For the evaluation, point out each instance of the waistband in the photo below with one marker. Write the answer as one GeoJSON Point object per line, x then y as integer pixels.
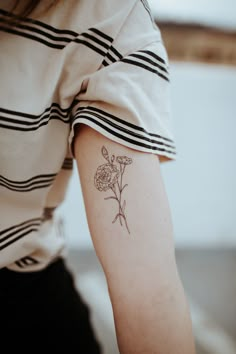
{"type": "Point", "coordinates": [13, 281]}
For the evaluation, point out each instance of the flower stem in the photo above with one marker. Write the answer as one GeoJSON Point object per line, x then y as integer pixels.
{"type": "Point", "coordinates": [121, 212]}
{"type": "Point", "coordinates": [126, 224]}
{"type": "Point", "coordinates": [118, 200]}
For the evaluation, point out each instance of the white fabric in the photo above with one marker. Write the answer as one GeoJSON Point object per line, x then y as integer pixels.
{"type": "Point", "coordinates": [101, 63]}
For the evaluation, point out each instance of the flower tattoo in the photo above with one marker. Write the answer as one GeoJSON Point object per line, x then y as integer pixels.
{"type": "Point", "coordinates": [106, 176]}
{"type": "Point", "coordinates": [109, 176]}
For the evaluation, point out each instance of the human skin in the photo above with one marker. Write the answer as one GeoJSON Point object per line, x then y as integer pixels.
{"type": "Point", "coordinates": [136, 250]}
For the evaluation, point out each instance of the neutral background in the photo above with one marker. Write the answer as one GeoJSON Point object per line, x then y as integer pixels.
{"type": "Point", "coordinates": [214, 12]}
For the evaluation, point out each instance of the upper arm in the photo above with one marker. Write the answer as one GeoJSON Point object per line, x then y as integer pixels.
{"type": "Point", "coordinates": [131, 228]}
{"type": "Point", "coordinates": [124, 107]}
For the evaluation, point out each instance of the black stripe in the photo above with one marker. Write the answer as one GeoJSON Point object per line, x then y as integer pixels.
{"type": "Point", "coordinates": [53, 29]}
{"type": "Point", "coordinates": [91, 46]}
{"type": "Point", "coordinates": [39, 178]}
{"type": "Point", "coordinates": [134, 142]}
{"type": "Point", "coordinates": [32, 122]}
{"type": "Point", "coordinates": [63, 112]}
{"type": "Point", "coordinates": [41, 32]}
{"type": "Point", "coordinates": [145, 64]}
{"type": "Point", "coordinates": [154, 55]}
{"type": "Point", "coordinates": [26, 261]}
{"type": "Point", "coordinates": [127, 131]}
{"type": "Point", "coordinates": [17, 238]}
{"type": "Point", "coordinates": [28, 128]}
{"type": "Point", "coordinates": [61, 36]}
{"type": "Point", "coordinates": [136, 63]}
{"type": "Point", "coordinates": [36, 182]}
{"type": "Point", "coordinates": [22, 228]}
{"type": "Point", "coordinates": [101, 34]}
{"type": "Point", "coordinates": [16, 232]}
{"type": "Point", "coordinates": [18, 263]}
{"type": "Point", "coordinates": [40, 24]}
{"type": "Point", "coordinates": [105, 63]}
{"type": "Point", "coordinates": [144, 58]}
{"type": "Point", "coordinates": [117, 119]}
{"type": "Point", "coordinates": [95, 40]}
{"type": "Point", "coordinates": [19, 225]}
{"type": "Point", "coordinates": [28, 189]}
{"type": "Point", "coordinates": [115, 51]}
{"type": "Point", "coordinates": [29, 36]}
{"type": "Point", "coordinates": [29, 260]}
{"type": "Point", "coordinates": [111, 57]}
{"type": "Point", "coordinates": [62, 32]}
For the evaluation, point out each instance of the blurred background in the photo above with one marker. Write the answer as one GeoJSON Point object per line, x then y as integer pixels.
{"type": "Point", "coordinates": [200, 37]}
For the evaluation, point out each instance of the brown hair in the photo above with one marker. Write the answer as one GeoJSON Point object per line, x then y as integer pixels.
{"type": "Point", "coordinates": [29, 6]}
{"type": "Point", "coordinates": [27, 9]}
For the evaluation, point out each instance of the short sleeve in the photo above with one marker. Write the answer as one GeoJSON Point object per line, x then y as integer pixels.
{"type": "Point", "coordinates": [128, 98]}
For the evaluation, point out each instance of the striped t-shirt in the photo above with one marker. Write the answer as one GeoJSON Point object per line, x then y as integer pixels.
{"type": "Point", "coordinates": [97, 62]}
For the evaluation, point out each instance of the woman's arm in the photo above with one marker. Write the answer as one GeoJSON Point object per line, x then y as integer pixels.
{"type": "Point", "coordinates": [130, 225]}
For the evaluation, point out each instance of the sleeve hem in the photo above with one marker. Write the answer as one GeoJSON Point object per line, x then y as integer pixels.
{"type": "Point", "coordinates": [161, 146]}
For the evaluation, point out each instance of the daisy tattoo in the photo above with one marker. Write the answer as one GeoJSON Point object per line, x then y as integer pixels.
{"type": "Point", "coordinates": [109, 176]}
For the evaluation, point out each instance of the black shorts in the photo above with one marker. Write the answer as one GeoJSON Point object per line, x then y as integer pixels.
{"type": "Point", "coordinates": [43, 311]}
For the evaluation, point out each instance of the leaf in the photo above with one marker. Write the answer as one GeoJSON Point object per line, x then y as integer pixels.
{"type": "Point", "coordinates": [105, 153]}
{"type": "Point", "coordinates": [110, 198]}
{"type": "Point", "coordinates": [123, 187]}
{"type": "Point", "coordinates": [115, 218]}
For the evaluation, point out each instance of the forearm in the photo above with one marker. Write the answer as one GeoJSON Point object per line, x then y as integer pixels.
{"type": "Point", "coordinates": [153, 319]}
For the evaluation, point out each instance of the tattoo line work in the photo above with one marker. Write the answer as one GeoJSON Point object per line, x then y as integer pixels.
{"type": "Point", "coordinates": [110, 177]}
